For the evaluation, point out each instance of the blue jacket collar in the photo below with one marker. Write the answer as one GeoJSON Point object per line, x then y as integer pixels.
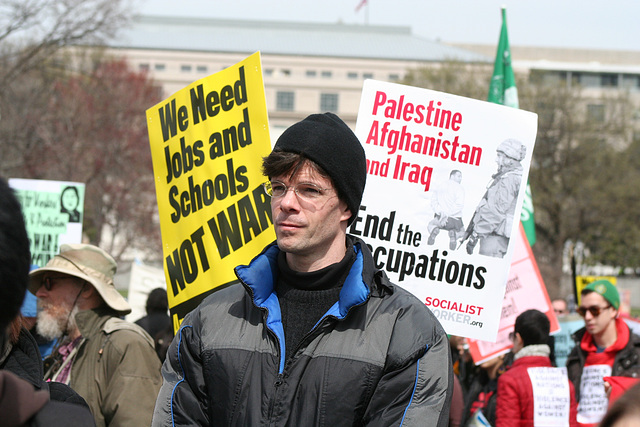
{"type": "Point", "coordinates": [261, 274]}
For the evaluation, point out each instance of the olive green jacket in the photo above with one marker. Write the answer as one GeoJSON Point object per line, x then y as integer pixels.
{"type": "Point", "coordinates": [116, 370]}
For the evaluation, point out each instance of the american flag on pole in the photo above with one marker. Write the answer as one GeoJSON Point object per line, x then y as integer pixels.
{"type": "Point", "coordinates": [362, 3]}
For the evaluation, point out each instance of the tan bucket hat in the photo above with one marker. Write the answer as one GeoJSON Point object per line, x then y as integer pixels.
{"type": "Point", "coordinates": [89, 263]}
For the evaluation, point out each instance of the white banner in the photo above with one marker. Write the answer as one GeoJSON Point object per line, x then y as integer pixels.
{"type": "Point", "coordinates": [551, 396]}
{"type": "Point", "coordinates": [433, 169]}
{"type": "Point", "coordinates": [53, 215]}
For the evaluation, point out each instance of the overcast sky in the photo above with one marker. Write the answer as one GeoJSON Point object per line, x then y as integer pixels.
{"type": "Point", "coordinates": [600, 24]}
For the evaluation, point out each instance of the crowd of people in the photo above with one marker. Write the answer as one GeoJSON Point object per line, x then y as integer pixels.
{"type": "Point", "coordinates": [525, 387]}
{"type": "Point", "coordinates": [312, 333]}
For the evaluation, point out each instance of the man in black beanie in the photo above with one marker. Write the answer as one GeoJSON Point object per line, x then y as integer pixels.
{"type": "Point", "coordinates": [314, 334]}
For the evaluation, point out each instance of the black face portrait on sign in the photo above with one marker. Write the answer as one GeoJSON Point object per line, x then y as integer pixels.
{"type": "Point", "coordinates": [69, 202]}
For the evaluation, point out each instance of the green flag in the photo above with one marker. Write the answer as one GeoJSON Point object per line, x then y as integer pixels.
{"type": "Point", "coordinates": [502, 90]}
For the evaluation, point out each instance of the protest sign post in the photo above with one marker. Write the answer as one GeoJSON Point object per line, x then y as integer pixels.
{"type": "Point", "coordinates": [207, 143]}
{"type": "Point", "coordinates": [416, 141]}
{"type": "Point", "coordinates": [53, 215]}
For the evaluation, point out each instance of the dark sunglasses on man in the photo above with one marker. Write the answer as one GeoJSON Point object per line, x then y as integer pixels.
{"type": "Point", "coordinates": [594, 310]}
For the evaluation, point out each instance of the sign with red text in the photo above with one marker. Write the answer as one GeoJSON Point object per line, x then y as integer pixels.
{"type": "Point", "coordinates": [525, 290]}
{"type": "Point", "coordinates": [207, 143]}
{"type": "Point", "coordinates": [445, 183]}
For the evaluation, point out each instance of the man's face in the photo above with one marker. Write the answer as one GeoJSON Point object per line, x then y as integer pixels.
{"type": "Point", "coordinates": [597, 324]}
{"type": "Point", "coordinates": [56, 298]}
{"type": "Point", "coordinates": [501, 159]}
{"type": "Point", "coordinates": [306, 228]}
{"type": "Point", "coordinates": [559, 307]}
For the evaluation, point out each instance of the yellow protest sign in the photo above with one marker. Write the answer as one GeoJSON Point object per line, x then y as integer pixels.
{"type": "Point", "coordinates": [207, 143]}
{"type": "Point", "coordinates": [583, 281]}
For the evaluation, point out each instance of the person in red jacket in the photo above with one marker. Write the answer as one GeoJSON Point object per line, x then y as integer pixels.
{"type": "Point", "coordinates": [532, 392]}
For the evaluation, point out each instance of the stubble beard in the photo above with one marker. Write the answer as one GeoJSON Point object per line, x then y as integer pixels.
{"type": "Point", "coordinates": [55, 321]}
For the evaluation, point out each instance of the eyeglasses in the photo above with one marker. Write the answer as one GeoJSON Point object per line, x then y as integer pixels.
{"type": "Point", "coordinates": [305, 191]}
{"type": "Point", "coordinates": [49, 281]}
{"type": "Point", "coordinates": [594, 310]}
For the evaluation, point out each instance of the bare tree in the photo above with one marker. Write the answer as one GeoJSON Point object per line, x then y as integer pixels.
{"type": "Point", "coordinates": [584, 174]}
{"type": "Point", "coordinates": [91, 128]}
{"type": "Point", "coordinates": [459, 78]}
{"type": "Point", "coordinates": [32, 31]}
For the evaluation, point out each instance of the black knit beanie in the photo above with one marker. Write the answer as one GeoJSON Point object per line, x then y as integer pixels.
{"type": "Point", "coordinates": [329, 142]}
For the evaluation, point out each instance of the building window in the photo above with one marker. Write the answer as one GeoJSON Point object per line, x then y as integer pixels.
{"type": "Point", "coordinates": [285, 72]}
{"type": "Point", "coordinates": [311, 73]}
{"type": "Point", "coordinates": [609, 80]}
{"type": "Point", "coordinates": [202, 69]}
{"type": "Point", "coordinates": [367, 75]}
{"type": "Point", "coordinates": [284, 101]}
{"type": "Point", "coordinates": [326, 74]}
{"type": "Point", "coordinates": [268, 72]}
{"type": "Point", "coordinates": [159, 67]}
{"type": "Point", "coordinates": [587, 79]}
{"type": "Point", "coordinates": [329, 102]}
{"type": "Point", "coordinates": [552, 78]}
{"type": "Point", "coordinates": [143, 67]}
{"type": "Point", "coordinates": [185, 68]}
{"type": "Point", "coordinates": [595, 113]}
{"type": "Point", "coordinates": [394, 77]}
{"type": "Point", "coordinates": [352, 75]}
{"type": "Point", "coordinates": [630, 81]}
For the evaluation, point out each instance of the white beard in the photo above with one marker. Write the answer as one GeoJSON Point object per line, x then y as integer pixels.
{"type": "Point", "coordinates": [52, 326]}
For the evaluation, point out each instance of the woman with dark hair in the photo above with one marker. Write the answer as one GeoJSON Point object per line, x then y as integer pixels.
{"type": "Point", "coordinates": [69, 202]}
{"type": "Point", "coordinates": [533, 392]}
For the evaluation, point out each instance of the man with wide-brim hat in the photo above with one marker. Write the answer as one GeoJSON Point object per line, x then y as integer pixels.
{"type": "Point", "coordinates": [108, 361]}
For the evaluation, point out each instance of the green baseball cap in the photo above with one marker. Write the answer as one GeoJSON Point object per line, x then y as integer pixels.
{"type": "Point", "coordinates": [606, 289]}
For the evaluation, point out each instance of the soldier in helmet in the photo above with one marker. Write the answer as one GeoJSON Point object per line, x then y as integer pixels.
{"type": "Point", "coordinates": [493, 219]}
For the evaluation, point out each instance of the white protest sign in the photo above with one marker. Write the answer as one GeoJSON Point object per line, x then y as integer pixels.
{"type": "Point", "coordinates": [551, 396]}
{"type": "Point", "coordinates": [593, 399]}
{"type": "Point", "coordinates": [421, 144]}
{"type": "Point", "coordinates": [53, 214]}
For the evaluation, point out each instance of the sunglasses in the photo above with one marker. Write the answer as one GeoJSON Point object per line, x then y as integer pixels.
{"type": "Point", "coordinates": [594, 310]}
{"type": "Point", "coordinates": [49, 281]}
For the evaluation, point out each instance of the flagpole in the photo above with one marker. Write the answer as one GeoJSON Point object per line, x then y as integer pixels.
{"type": "Point", "coordinates": [366, 13]}
{"type": "Point", "coordinates": [364, 3]}
{"type": "Point", "coordinates": [502, 90]}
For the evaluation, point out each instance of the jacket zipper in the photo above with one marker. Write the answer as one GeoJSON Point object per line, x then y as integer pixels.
{"type": "Point", "coordinates": [276, 385]}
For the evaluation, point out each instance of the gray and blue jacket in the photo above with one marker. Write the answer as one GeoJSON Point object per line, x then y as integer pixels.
{"type": "Point", "coordinates": [378, 357]}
